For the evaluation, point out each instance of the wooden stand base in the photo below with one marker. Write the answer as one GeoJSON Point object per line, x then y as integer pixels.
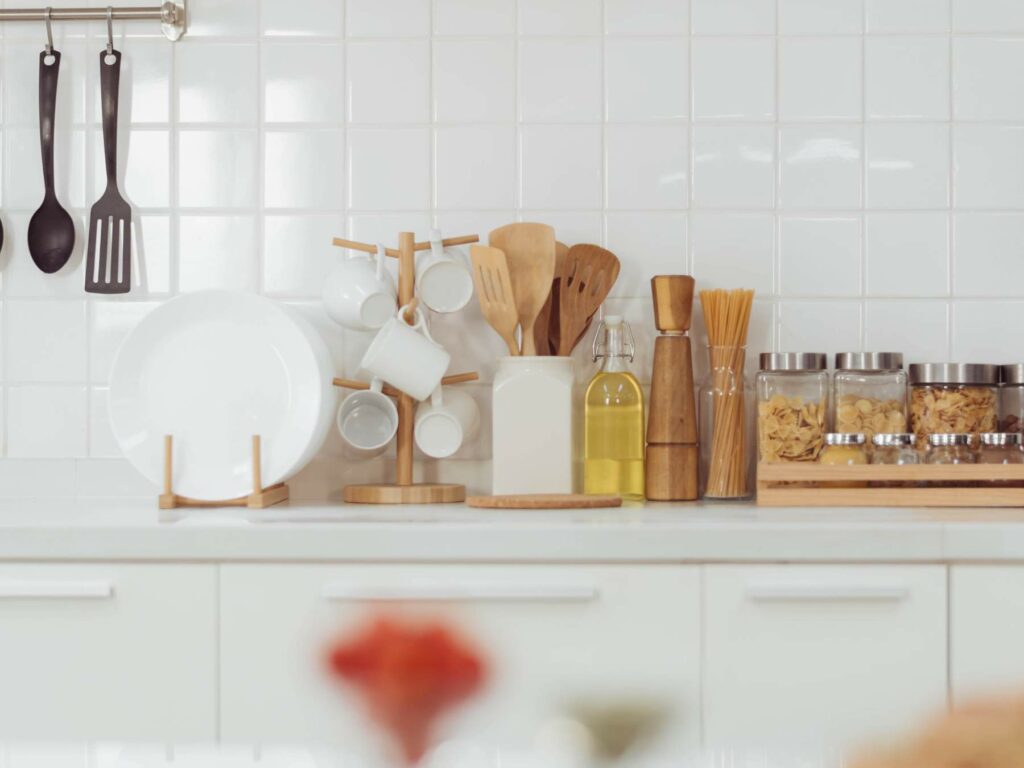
{"type": "Point", "coordinates": [672, 472]}
{"type": "Point", "coordinates": [417, 493]}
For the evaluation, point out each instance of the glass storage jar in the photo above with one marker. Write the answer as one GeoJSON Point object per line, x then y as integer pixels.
{"type": "Point", "coordinates": [844, 450]}
{"type": "Point", "coordinates": [894, 449]}
{"type": "Point", "coordinates": [869, 393]}
{"type": "Point", "coordinates": [1011, 398]}
{"type": "Point", "coordinates": [958, 398]}
{"type": "Point", "coordinates": [792, 403]}
{"type": "Point", "coordinates": [949, 448]}
{"type": "Point", "coordinates": [1000, 448]}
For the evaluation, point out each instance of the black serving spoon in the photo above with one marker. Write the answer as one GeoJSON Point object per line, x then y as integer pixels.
{"type": "Point", "coordinates": [51, 232]}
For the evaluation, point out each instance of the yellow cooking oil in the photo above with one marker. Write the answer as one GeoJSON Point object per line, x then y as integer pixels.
{"type": "Point", "coordinates": [613, 420]}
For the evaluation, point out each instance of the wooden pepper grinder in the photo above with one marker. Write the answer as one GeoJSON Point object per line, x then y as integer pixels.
{"type": "Point", "coordinates": [672, 452]}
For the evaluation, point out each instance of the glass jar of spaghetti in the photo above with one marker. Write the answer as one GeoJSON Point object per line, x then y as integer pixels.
{"type": "Point", "coordinates": [869, 393]}
{"type": "Point", "coordinates": [959, 398]}
{"type": "Point", "coordinates": [792, 404]}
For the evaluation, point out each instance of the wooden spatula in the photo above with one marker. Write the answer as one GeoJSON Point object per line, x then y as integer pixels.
{"type": "Point", "coordinates": [494, 292]}
{"type": "Point", "coordinates": [530, 255]}
{"type": "Point", "coordinates": [589, 274]}
{"type": "Point", "coordinates": [548, 316]}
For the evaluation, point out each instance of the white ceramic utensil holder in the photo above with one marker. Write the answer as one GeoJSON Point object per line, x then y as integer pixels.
{"type": "Point", "coordinates": [534, 425]}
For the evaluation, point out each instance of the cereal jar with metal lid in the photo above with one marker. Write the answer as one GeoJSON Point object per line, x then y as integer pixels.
{"type": "Point", "coordinates": [957, 398]}
{"type": "Point", "coordinates": [869, 393]}
{"type": "Point", "coordinates": [1011, 398]}
{"type": "Point", "coordinates": [792, 404]}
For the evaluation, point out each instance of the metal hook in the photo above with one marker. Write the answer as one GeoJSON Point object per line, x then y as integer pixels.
{"type": "Point", "coordinates": [49, 32]}
{"type": "Point", "coordinates": [110, 29]}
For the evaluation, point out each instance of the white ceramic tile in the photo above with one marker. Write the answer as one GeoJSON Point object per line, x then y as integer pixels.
{"type": "Point", "coordinates": [217, 168]}
{"type": "Point", "coordinates": [820, 79]}
{"type": "Point", "coordinates": [733, 78]}
{"type": "Point", "coordinates": [647, 244]}
{"type": "Point", "coordinates": [646, 79]}
{"type": "Point", "coordinates": [474, 80]}
{"type": "Point", "coordinates": [151, 255]}
{"type": "Point", "coordinates": [46, 421]}
{"type": "Point", "coordinates": [646, 17]}
{"type": "Point", "coordinates": [302, 82]}
{"type": "Point", "coordinates": [114, 478]}
{"type": "Point", "coordinates": [1002, 16]}
{"type": "Point", "coordinates": [102, 444]}
{"type": "Point", "coordinates": [987, 330]}
{"type": "Point", "coordinates": [302, 18]}
{"type": "Point", "coordinates": [475, 166]}
{"type": "Point", "coordinates": [733, 166]}
{"type": "Point", "coordinates": [304, 169]}
{"type": "Point", "coordinates": [146, 175]}
{"type": "Point", "coordinates": [217, 252]}
{"type": "Point", "coordinates": [216, 82]}
{"type": "Point", "coordinates": [389, 169]}
{"type": "Point", "coordinates": [988, 76]}
{"type": "Point", "coordinates": [46, 341]}
{"type": "Point", "coordinates": [23, 177]}
{"type": "Point", "coordinates": [733, 17]}
{"type": "Point", "coordinates": [474, 17]}
{"type": "Point", "coordinates": [988, 249]}
{"type": "Point", "coordinates": [920, 329]}
{"type": "Point", "coordinates": [561, 166]}
{"type": "Point", "coordinates": [988, 162]}
{"type": "Point", "coordinates": [570, 227]}
{"type": "Point", "coordinates": [109, 323]}
{"type": "Point", "coordinates": [223, 18]}
{"type": "Point", "coordinates": [733, 250]}
{"type": "Point", "coordinates": [647, 166]}
{"type": "Point", "coordinates": [560, 80]}
{"type": "Point", "coordinates": [805, 243]}
{"type": "Point", "coordinates": [400, 18]}
{"type": "Point", "coordinates": [478, 350]}
{"type": "Point", "coordinates": [902, 16]}
{"type": "Point", "coordinates": [146, 68]}
{"type": "Point", "coordinates": [298, 255]}
{"type": "Point", "coordinates": [907, 166]}
{"type": "Point", "coordinates": [388, 81]}
{"type": "Point", "coordinates": [907, 254]}
{"type": "Point", "coordinates": [384, 227]}
{"type": "Point", "coordinates": [821, 166]}
{"type": "Point", "coordinates": [906, 77]}
{"type": "Point", "coordinates": [820, 326]}
{"type": "Point", "coordinates": [821, 17]}
{"type": "Point", "coordinates": [331, 333]}
{"type": "Point", "coordinates": [565, 17]}
{"type": "Point", "coordinates": [21, 83]}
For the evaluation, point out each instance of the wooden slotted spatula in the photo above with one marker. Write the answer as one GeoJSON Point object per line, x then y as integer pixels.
{"type": "Point", "coordinates": [590, 272]}
{"type": "Point", "coordinates": [494, 292]}
{"type": "Point", "coordinates": [548, 316]}
{"type": "Point", "coordinates": [530, 255]}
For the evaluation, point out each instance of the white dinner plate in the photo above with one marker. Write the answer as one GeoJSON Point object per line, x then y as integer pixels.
{"type": "Point", "coordinates": [213, 369]}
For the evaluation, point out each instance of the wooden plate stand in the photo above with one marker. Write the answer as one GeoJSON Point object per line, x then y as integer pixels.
{"type": "Point", "coordinates": [962, 485]}
{"type": "Point", "coordinates": [259, 498]}
{"type": "Point", "coordinates": [404, 490]}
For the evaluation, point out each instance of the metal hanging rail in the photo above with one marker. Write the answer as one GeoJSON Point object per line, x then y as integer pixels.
{"type": "Point", "coordinates": [171, 15]}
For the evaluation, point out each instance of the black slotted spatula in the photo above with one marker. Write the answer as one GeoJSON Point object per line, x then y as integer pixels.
{"type": "Point", "coordinates": [109, 265]}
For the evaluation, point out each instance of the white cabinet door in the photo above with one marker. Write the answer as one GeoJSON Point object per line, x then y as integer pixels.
{"type": "Point", "coordinates": [551, 634]}
{"type": "Point", "coordinates": [108, 652]}
{"type": "Point", "coordinates": [987, 629]}
{"type": "Point", "coordinates": [821, 656]}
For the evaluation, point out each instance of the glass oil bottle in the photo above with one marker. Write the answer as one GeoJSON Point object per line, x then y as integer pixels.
{"type": "Point", "coordinates": [613, 418]}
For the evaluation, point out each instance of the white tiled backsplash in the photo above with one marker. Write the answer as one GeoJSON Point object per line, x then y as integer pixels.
{"type": "Point", "coordinates": [860, 163]}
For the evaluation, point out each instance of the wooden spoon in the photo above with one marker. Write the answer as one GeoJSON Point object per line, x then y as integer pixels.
{"type": "Point", "coordinates": [530, 254]}
{"type": "Point", "coordinates": [494, 292]}
{"type": "Point", "coordinates": [548, 316]}
{"type": "Point", "coordinates": [590, 272]}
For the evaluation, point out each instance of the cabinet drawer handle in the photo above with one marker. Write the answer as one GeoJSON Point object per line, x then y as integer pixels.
{"type": "Point", "coordinates": [21, 589]}
{"type": "Point", "coordinates": [803, 593]}
{"type": "Point", "coordinates": [542, 593]}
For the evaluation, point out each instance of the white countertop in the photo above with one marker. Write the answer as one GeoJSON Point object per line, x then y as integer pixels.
{"type": "Point", "coordinates": [136, 530]}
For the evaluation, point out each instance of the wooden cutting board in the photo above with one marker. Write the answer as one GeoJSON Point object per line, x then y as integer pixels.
{"type": "Point", "coordinates": [544, 501]}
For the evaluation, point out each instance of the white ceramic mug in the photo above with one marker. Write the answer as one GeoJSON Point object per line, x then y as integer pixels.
{"type": "Point", "coordinates": [360, 294]}
{"type": "Point", "coordinates": [444, 281]}
{"type": "Point", "coordinates": [406, 356]}
{"type": "Point", "coordinates": [446, 422]}
{"type": "Point", "coordinates": [368, 421]}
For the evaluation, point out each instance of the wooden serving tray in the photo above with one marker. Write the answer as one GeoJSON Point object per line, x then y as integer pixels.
{"type": "Point", "coordinates": [815, 485]}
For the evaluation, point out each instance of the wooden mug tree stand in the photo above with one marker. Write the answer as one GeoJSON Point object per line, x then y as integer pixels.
{"type": "Point", "coordinates": [404, 490]}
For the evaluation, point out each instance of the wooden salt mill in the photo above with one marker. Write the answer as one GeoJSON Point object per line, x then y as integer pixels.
{"type": "Point", "coordinates": [672, 451]}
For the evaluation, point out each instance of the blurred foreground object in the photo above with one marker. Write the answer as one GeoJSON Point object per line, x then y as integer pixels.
{"type": "Point", "coordinates": [617, 726]}
{"type": "Point", "coordinates": [987, 733]}
{"type": "Point", "coordinates": [408, 674]}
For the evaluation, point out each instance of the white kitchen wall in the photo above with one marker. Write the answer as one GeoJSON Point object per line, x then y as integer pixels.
{"type": "Point", "coordinates": [860, 163]}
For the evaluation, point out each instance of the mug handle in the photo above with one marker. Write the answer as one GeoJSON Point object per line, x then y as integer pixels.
{"type": "Point", "coordinates": [436, 246]}
{"type": "Point", "coordinates": [381, 256]}
{"type": "Point", "coordinates": [437, 397]}
{"type": "Point", "coordinates": [419, 325]}
{"type": "Point", "coordinates": [376, 385]}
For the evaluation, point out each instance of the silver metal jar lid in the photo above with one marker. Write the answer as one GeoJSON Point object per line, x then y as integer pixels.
{"type": "Point", "coordinates": [942, 439]}
{"type": "Point", "coordinates": [893, 439]}
{"type": "Point", "coordinates": [1011, 374]}
{"type": "Point", "coordinates": [1000, 438]}
{"type": "Point", "coordinates": [845, 438]}
{"type": "Point", "coordinates": [953, 373]}
{"type": "Point", "coordinates": [793, 361]}
{"type": "Point", "coordinates": [869, 361]}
